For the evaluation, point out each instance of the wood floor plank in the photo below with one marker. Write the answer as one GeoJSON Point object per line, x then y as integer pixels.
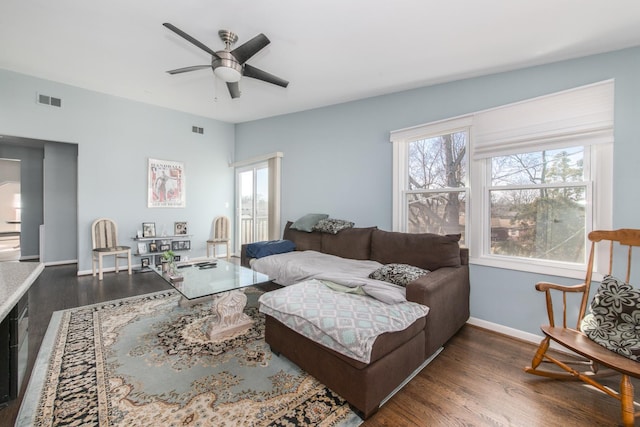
{"type": "Point", "coordinates": [478, 380]}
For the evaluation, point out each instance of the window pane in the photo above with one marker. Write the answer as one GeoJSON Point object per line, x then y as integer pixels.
{"type": "Point", "coordinates": [438, 213]}
{"type": "Point", "coordinates": [438, 162]}
{"type": "Point", "coordinates": [542, 167]}
{"type": "Point", "coordinates": [543, 223]}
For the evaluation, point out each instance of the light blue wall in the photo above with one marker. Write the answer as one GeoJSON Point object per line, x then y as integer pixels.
{"type": "Point", "coordinates": [61, 203]}
{"type": "Point", "coordinates": [115, 137]}
{"type": "Point", "coordinates": [338, 159]}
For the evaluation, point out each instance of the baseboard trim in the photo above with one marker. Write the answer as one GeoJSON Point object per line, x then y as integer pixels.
{"type": "Point", "coordinates": [514, 333]}
{"type": "Point", "coordinates": [69, 261]}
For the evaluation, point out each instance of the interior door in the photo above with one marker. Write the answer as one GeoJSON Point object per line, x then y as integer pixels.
{"type": "Point", "coordinates": [253, 203]}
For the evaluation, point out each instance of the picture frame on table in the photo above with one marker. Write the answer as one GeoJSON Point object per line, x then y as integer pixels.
{"type": "Point", "coordinates": [142, 248]}
{"type": "Point", "coordinates": [165, 247]}
{"type": "Point", "coordinates": [180, 228]}
{"type": "Point", "coordinates": [158, 260]}
{"type": "Point", "coordinates": [176, 258]}
{"type": "Point", "coordinates": [153, 247]}
{"type": "Point", "coordinates": [148, 229]}
{"type": "Point", "coordinates": [144, 262]}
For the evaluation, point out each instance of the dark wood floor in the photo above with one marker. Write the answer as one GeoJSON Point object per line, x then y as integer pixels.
{"type": "Point", "coordinates": [476, 381]}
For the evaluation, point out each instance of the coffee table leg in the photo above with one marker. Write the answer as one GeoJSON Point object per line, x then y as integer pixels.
{"type": "Point", "coordinates": [231, 319]}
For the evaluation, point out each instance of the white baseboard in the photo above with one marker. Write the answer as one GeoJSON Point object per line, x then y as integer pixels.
{"type": "Point", "coordinates": [69, 261]}
{"type": "Point", "coordinates": [515, 333]}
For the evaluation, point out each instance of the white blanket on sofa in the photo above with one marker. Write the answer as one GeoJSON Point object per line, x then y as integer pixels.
{"type": "Point", "coordinates": [294, 267]}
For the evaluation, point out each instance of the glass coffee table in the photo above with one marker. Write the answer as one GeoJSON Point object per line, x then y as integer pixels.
{"type": "Point", "coordinates": [223, 284]}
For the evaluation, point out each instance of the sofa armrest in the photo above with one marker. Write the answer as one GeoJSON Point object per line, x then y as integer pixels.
{"type": "Point", "coordinates": [464, 256]}
{"type": "Point", "coordinates": [446, 292]}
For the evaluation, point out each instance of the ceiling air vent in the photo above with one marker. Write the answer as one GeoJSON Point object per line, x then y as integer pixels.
{"type": "Point", "coordinates": [196, 129]}
{"type": "Point", "coordinates": [49, 100]}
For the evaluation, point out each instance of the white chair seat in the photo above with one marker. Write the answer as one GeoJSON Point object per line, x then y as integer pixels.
{"type": "Point", "coordinates": [104, 237]}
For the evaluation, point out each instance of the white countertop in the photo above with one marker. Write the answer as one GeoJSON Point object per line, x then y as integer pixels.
{"type": "Point", "coordinates": [15, 280]}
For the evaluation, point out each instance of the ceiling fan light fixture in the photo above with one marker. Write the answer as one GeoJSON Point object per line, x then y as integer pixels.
{"type": "Point", "coordinates": [230, 65]}
{"type": "Point", "coordinates": [229, 75]}
{"type": "Point", "coordinates": [226, 67]}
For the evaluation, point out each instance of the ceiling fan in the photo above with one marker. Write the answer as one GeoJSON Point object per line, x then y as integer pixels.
{"type": "Point", "coordinates": [229, 65]}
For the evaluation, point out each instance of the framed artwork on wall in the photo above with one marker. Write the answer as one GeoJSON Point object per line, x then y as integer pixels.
{"type": "Point", "coordinates": [144, 262]}
{"type": "Point", "coordinates": [166, 184]}
{"type": "Point", "coordinates": [180, 228]}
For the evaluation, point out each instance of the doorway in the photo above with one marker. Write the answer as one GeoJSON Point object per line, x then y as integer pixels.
{"type": "Point", "coordinates": [253, 203]}
{"type": "Point", "coordinates": [10, 210]}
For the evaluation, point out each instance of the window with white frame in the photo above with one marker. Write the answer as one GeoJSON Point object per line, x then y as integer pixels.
{"type": "Point", "coordinates": [537, 181]}
{"type": "Point", "coordinates": [432, 179]}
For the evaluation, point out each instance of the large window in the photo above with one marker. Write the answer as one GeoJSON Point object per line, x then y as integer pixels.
{"type": "Point", "coordinates": [537, 204]}
{"type": "Point", "coordinates": [523, 183]}
{"type": "Point", "coordinates": [437, 174]}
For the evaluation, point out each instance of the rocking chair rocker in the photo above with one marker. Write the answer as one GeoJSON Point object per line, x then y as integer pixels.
{"type": "Point", "coordinates": [577, 341]}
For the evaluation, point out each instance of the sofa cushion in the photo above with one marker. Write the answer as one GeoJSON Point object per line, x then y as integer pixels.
{"type": "Point", "coordinates": [307, 222]}
{"type": "Point", "coordinates": [354, 243]}
{"type": "Point", "coordinates": [398, 274]}
{"type": "Point", "coordinates": [424, 250]}
{"type": "Point", "coordinates": [304, 241]}
{"type": "Point", "coordinates": [271, 247]}
{"type": "Point", "coordinates": [332, 225]}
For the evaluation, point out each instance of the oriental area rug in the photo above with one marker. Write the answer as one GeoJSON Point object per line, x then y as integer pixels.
{"type": "Point", "coordinates": [146, 361]}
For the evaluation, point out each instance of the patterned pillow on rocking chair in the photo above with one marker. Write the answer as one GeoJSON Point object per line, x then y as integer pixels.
{"type": "Point", "coordinates": [614, 318]}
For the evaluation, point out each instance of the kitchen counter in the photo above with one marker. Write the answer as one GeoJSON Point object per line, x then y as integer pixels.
{"type": "Point", "coordinates": [15, 280]}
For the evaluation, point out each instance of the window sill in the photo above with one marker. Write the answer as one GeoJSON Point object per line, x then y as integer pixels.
{"type": "Point", "coordinates": [533, 266]}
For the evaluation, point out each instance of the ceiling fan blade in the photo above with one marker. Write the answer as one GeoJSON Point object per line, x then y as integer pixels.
{"type": "Point", "coordinates": [187, 37]}
{"type": "Point", "coordinates": [256, 73]}
{"type": "Point", "coordinates": [187, 69]}
{"type": "Point", "coordinates": [247, 50]}
{"type": "Point", "coordinates": [234, 89]}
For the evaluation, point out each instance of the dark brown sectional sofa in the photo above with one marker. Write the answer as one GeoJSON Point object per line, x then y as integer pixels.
{"type": "Point", "coordinates": [395, 356]}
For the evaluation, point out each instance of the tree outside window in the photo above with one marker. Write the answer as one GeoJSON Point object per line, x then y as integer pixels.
{"type": "Point", "coordinates": [537, 205]}
{"type": "Point", "coordinates": [436, 195]}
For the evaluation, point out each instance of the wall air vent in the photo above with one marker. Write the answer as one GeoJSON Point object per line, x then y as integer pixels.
{"type": "Point", "coordinates": [196, 129]}
{"type": "Point", "coordinates": [49, 100]}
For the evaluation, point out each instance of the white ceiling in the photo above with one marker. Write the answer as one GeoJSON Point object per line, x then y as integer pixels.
{"type": "Point", "coordinates": [331, 51]}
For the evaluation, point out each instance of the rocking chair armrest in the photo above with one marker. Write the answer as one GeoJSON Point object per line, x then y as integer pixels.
{"type": "Point", "coordinates": [546, 286]}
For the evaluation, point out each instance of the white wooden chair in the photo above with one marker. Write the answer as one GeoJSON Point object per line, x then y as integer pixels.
{"type": "Point", "coordinates": [220, 236]}
{"type": "Point", "coordinates": [104, 242]}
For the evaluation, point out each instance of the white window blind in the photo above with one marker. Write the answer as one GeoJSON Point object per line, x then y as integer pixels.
{"type": "Point", "coordinates": [580, 116]}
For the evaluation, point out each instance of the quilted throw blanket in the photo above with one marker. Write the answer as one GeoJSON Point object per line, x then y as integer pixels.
{"type": "Point", "coordinates": [344, 322]}
{"type": "Point", "coordinates": [293, 267]}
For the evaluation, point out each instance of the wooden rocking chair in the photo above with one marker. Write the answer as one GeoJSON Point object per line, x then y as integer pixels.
{"type": "Point", "coordinates": [578, 342]}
